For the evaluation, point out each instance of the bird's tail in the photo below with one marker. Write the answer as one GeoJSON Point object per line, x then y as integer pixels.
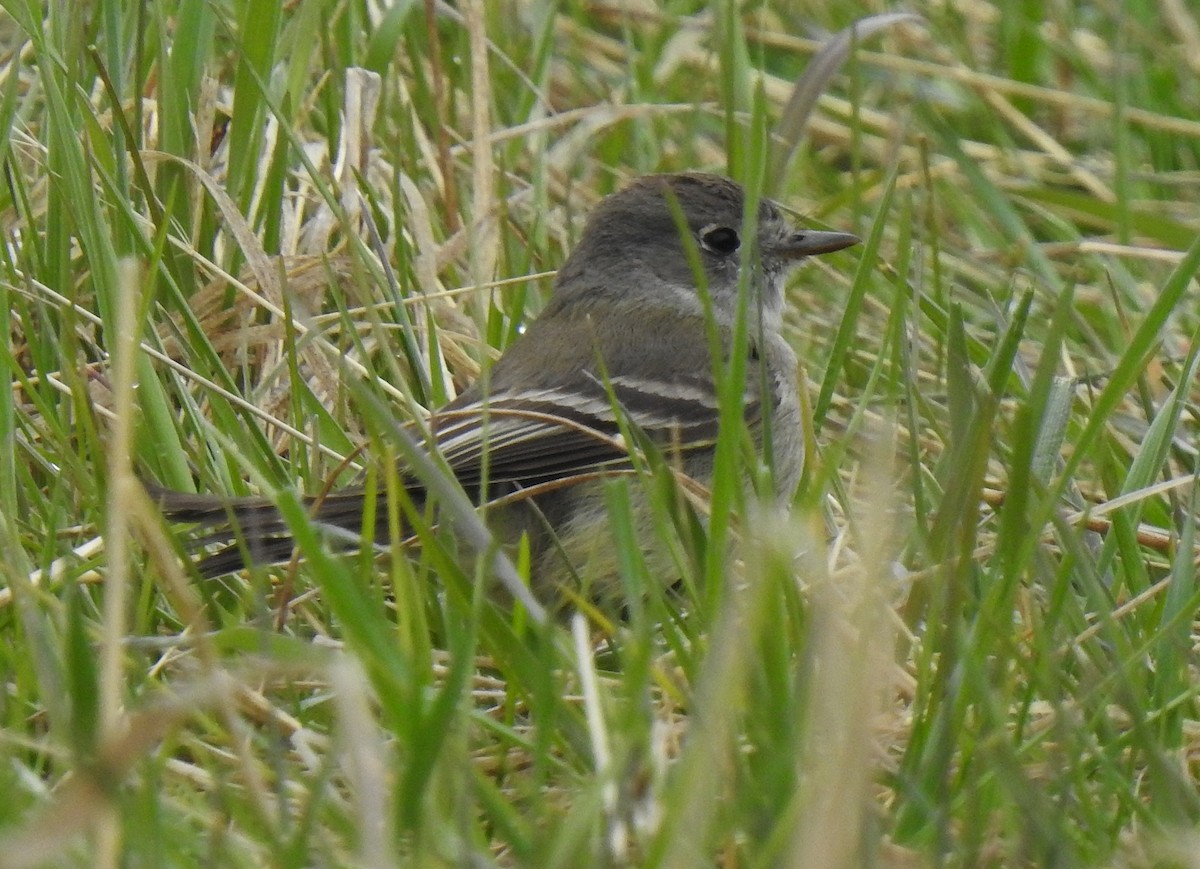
{"type": "Point", "coordinates": [252, 530]}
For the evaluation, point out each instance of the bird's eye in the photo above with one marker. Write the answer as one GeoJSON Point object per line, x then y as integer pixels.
{"type": "Point", "coordinates": [719, 240]}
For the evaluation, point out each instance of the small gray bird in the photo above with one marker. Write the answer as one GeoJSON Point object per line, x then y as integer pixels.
{"type": "Point", "coordinates": [625, 337]}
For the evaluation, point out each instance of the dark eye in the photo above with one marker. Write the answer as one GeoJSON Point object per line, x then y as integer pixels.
{"type": "Point", "coordinates": [719, 239]}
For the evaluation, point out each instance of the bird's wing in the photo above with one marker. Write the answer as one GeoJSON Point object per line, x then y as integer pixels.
{"type": "Point", "coordinates": [533, 436]}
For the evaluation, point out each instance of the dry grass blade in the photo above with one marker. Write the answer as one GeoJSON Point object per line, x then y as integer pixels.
{"type": "Point", "coordinates": [808, 88]}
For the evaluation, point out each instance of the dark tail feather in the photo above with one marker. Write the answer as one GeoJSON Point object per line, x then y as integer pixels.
{"type": "Point", "coordinates": [251, 529]}
{"type": "Point", "coordinates": [232, 558]}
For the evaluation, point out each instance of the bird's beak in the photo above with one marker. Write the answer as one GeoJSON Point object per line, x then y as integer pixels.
{"type": "Point", "coordinates": [810, 242]}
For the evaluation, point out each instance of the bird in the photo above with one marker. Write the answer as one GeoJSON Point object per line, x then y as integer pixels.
{"type": "Point", "coordinates": [625, 344]}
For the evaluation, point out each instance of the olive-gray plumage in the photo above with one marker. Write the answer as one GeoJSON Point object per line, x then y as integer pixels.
{"type": "Point", "coordinates": [626, 321]}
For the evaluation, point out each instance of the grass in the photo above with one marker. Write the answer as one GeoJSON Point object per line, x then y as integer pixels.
{"type": "Point", "coordinates": [972, 641]}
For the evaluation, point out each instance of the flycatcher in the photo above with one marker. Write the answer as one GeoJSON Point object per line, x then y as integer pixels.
{"type": "Point", "coordinates": [624, 340]}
